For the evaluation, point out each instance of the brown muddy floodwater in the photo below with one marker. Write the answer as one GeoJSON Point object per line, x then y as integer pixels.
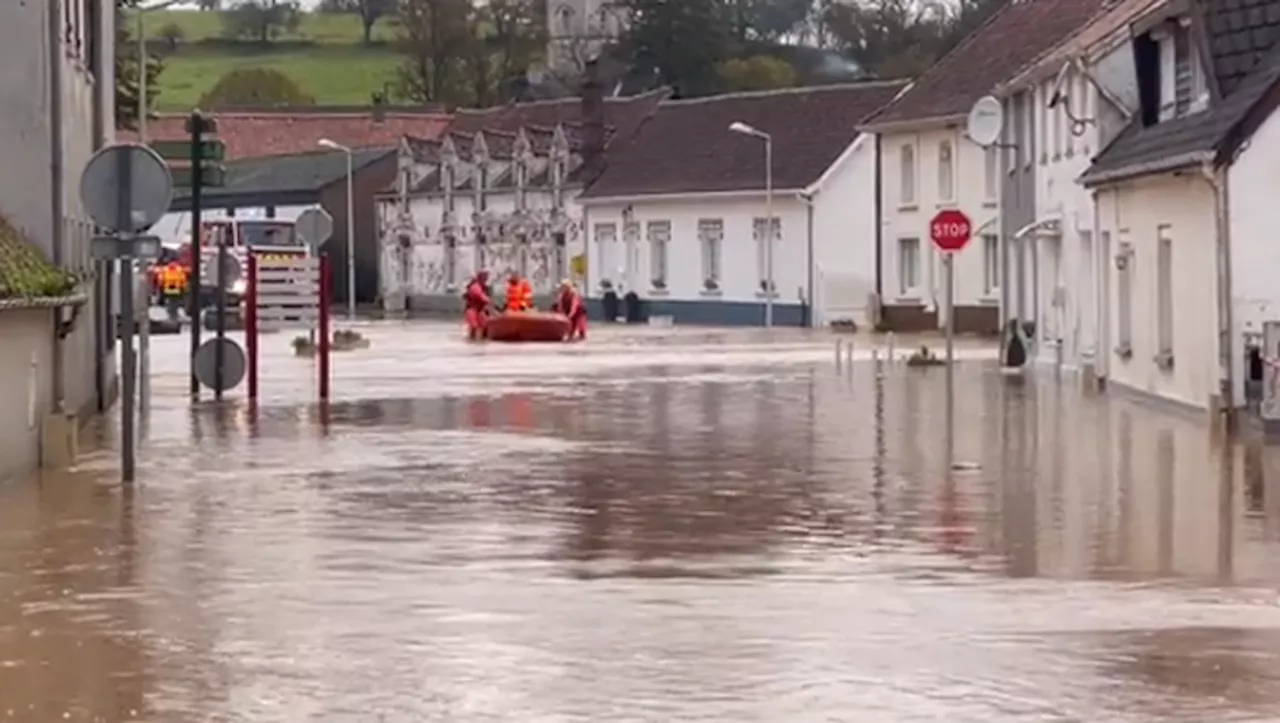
{"type": "Point", "coordinates": [656, 526]}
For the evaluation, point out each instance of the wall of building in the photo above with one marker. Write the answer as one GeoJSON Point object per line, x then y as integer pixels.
{"type": "Point", "coordinates": [26, 389]}
{"type": "Point", "coordinates": [844, 228]}
{"type": "Point", "coordinates": [1134, 214]}
{"type": "Point", "coordinates": [367, 181]}
{"type": "Point", "coordinates": [26, 143]}
{"type": "Point", "coordinates": [1255, 256]}
{"type": "Point", "coordinates": [975, 190]}
{"type": "Point", "coordinates": [739, 298]}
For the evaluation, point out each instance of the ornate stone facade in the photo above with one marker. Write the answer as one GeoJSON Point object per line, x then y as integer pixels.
{"type": "Point", "coordinates": [493, 199]}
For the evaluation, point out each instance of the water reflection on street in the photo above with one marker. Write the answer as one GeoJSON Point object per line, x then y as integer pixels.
{"type": "Point", "coordinates": [656, 526]}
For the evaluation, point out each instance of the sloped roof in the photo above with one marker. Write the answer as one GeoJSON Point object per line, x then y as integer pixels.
{"type": "Point", "coordinates": [299, 173]}
{"type": "Point", "coordinates": [264, 133]}
{"type": "Point", "coordinates": [1243, 37]}
{"type": "Point", "coordinates": [623, 114]}
{"type": "Point", "coordinates": [1014, 36]}
{"type": "Point", "coordinates": [686, 147]}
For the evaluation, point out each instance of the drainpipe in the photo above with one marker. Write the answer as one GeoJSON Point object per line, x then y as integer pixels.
{"type": "Point", "coordinates": [879, 221]}
{"type": "Point", "coordinates": [1217, 180]}
{"type": "Point", "coordinates": [1102, 264]}
{"type": "Point", "coordinates": [56, 136]}
{"type": "Point", "coordinates": [807, 200]}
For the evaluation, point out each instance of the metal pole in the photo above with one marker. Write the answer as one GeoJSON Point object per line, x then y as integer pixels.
{"type": "Point", "coordinates": [197, 129]}
{"type": "Point", "coordinates": [57, 168]}
{"type": "Point", "coordinates": [948, 260]}
{"type": "Point", "coordinates": [142, 79]}
{"type": "Point", "coordinates": [768, 247]}
{"type": "Point", "coordinates": [351, 239]}
{"type": "Point", "coordinates": [144, 335]}
{"type": "Point", "coordinates": [127, 371]}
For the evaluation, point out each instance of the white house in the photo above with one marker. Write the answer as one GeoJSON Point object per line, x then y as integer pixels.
{"type": "Point", "coordinates": [679, 215]}
{"type": "Point", "coordinates": [1058, 112]}
{"type": "Point", "coordinates": [929, 164]}
{"type": "Point", "coordinates": [497, 192]}
{"type": "Point", "coordinates": [58, 104]}
{"type": "Point", "coordinates": [1185, 194]}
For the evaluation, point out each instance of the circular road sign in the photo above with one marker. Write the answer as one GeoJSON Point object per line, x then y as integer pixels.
{"type": "Point", "coordinates": [126, 207]}
{"type": "Point", "coordinates": [314, 226]}
{"type": "Point", "coordinates": [986, 120]}
{"type": "Point", "coordinates": [233, 364]}
{"type": "Point", "coordinates": [950, 230]}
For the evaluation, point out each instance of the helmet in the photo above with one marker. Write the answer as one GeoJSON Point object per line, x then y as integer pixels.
{"type": "Point", "coordinates": [566, 283]}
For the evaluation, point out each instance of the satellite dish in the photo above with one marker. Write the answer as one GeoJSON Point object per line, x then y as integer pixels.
{"type": "Point", "coordinates": [986, 121]}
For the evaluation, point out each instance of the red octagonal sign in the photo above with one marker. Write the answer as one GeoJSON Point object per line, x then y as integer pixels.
{"type": "Point", "coordinates": [950, 230]}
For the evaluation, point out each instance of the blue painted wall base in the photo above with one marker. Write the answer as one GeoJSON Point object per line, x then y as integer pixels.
{"type": "Point", "coordinates": [711, 312]}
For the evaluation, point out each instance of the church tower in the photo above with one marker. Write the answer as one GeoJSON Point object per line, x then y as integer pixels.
{"type": "Point", "coordinates": [577, 30]}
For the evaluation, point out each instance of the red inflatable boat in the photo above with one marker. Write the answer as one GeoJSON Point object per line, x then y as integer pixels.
{"type": "Point", "coordinates": [528, 326]}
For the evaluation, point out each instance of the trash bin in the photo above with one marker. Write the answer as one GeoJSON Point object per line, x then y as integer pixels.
{"type": "Point", "coordinates": [610, 304]}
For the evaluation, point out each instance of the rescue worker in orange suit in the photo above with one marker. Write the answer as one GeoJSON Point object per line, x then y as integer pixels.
{"type": "Point", "coordinates": [173, 287]}
{"type": "Point", "coordinates": [478, 303]}
{"type": "Point", "coordinates": [519, 293]}
{"type": "Point", "coordinates": [569, 303]}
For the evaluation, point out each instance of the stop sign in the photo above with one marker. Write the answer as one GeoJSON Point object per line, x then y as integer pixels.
{"type": "Point", "coordinates": [950, 230]}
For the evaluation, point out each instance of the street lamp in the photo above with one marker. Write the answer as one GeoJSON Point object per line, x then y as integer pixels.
{"type": "Point", "coordinates": [746, 130]}
{"type": "Point", "coordinates": [351, 225]}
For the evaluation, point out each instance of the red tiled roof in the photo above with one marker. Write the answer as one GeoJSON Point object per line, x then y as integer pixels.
{"type": "Point", "coordinates": [258, 134]}
{"type": "Point", "coordinates": [686, 147]}
{"type": "Point", "coordinates": [1010, 39]}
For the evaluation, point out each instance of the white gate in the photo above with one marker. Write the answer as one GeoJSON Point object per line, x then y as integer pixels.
{"type": "Point", "coordinates": [288, 293]}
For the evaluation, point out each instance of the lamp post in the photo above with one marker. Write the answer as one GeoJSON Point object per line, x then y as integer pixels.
{"type": "Point", "coordinates": [351, 225]}
{"type": "Point", "coordinates": [746, 130]}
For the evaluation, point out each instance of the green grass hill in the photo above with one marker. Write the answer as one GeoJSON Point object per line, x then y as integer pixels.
{"type": "Point", "coordinates": [325, 56]}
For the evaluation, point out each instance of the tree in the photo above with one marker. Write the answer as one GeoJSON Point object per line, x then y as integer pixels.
{"type": "Point", "coordinates": [683, 41]}
{"type": "Point", "coordinates": [172, 34]}
{"type": "Point", "coordinates": [210, 5]}
{"type": "Point", "coordinates": [504, 39]}
{"type": "Point", "coordinates": [127, 73]}
{"type": "Point", "coordinates": [889, 38]}
{"type": "Point", "coordinates": [757, 72]}
{"type": "Point", "coordinates": [766, 20]}
{"type": "Point", "coordinates": [255, 87]}
{"type": "Point", "coordinates": [262, 20]}
{"type": "Point", "coordinates": [370, 12]}
{"type": "Point", "coordinates": [435, 38]}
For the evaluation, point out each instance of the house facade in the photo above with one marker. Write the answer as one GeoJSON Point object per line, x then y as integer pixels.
{"type": "Point", "coordinates": [928, 164]}
{"type": "Point", "coordinates": [1182, 193]}
{"type": "Point", "coordinates": [58, 106]}
{"type": "Point", "coordinates": [680, 215]}
{"type": "Point", "coordinates": [498, 191]}
{"type": "Point", "coordinates": [1058, 113]}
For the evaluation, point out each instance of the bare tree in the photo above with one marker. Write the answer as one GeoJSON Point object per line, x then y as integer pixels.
{"type": "Point", "coordinates": [505, 37]}
{"type": "Point", "coordinates": [370, 12]}
{"type": "Point", "coordinates": [435, 39]}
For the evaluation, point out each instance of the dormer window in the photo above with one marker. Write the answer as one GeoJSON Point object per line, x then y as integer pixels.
{"type": "Point", "coordinates": [1182, 82]}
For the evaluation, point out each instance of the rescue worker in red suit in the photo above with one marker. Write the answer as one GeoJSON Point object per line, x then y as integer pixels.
{"type": "Point", "coordinates": [519, 293]}
{"type": "Point", "coordinates": [478, 303]}
{"type": "Point", "coordinates": [569, 303]}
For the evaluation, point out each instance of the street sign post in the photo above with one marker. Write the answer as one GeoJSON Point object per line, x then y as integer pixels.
{"type": "Point", "coordinates": [950, 231]}
{"type": "Point", "coordinates": [126, 188]}
{"type": "Point", "coordinates": [314, 227]}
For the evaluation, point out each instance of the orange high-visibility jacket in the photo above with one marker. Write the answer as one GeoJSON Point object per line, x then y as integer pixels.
{"type": "Point", "coordinates": [519, 295]}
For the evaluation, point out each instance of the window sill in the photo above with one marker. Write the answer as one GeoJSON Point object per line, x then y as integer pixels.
{"type": "Point", "coordinates": [709, 294]}
{"type": "Point", "coordinates": [1164, 361]}
{"type": "Point", "coordinates": [945, 204]}
{"type": "Point", "coordinates": [1057, 157]}
{"type": "Point", "coordinates": [910, 300]}
{"type": "Point", "coordinates": [990, 204]}
{"type": "Point", "coordinates": [908, 207]}
{"type": "Point", "coordinates": [1124, 351]}
{"type": "Point", "coordinates": [763, 295]}
{"type": "Point", "coordinates": [989, 299]}
{"type": "Point", "coordinates": [657, 293]}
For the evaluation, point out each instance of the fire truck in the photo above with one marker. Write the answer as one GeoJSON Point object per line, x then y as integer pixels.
{"type": "Point", "coordinates": [262, 237]}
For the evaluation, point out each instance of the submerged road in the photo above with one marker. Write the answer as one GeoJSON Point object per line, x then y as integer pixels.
{"type": "Point", "coordinates": [659, 525]}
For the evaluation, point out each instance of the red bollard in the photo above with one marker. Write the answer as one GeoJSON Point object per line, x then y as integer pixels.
{"type": "Point", "coordinates": [323, 306]}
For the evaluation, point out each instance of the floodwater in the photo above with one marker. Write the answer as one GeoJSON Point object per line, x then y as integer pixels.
{"type": "Point", "coordinates": [659, 525]}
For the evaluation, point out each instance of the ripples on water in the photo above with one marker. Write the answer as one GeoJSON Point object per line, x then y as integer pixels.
{"type": "Point", "coordinates": [685, 527]}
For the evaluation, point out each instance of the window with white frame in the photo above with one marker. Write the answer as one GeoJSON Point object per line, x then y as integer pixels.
{"type": "Point", "coordinates": [659, 233]}
{"type": "Point", "coordinates": [946, 172]}
{"type": "Point", "coordinates": [631, 254]}
{"type": "Point", "coordinates": [762, 249]}
{"type": "Point", "coordinates": [907, 174]}
{"type": "Point", "coordinates": [1164, 296]}
{"type": "Point", "coordinates": [1124, 298]}
{"type": "Point", "coordinates": [710, 240]}
{"type": "Point", "coordinates": [1183, 89]}
{"type": "Point", "coordinates": [990, 264]}
{"type": "Point", "coordinates": [991, 173]}
{"type": "Point", "coordinates": [908, 266]}
{"type": "Point", "coordinates": [606, 235]}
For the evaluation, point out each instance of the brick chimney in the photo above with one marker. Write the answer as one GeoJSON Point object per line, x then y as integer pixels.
{"type": "Point", "coordinates": [592, 122]}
